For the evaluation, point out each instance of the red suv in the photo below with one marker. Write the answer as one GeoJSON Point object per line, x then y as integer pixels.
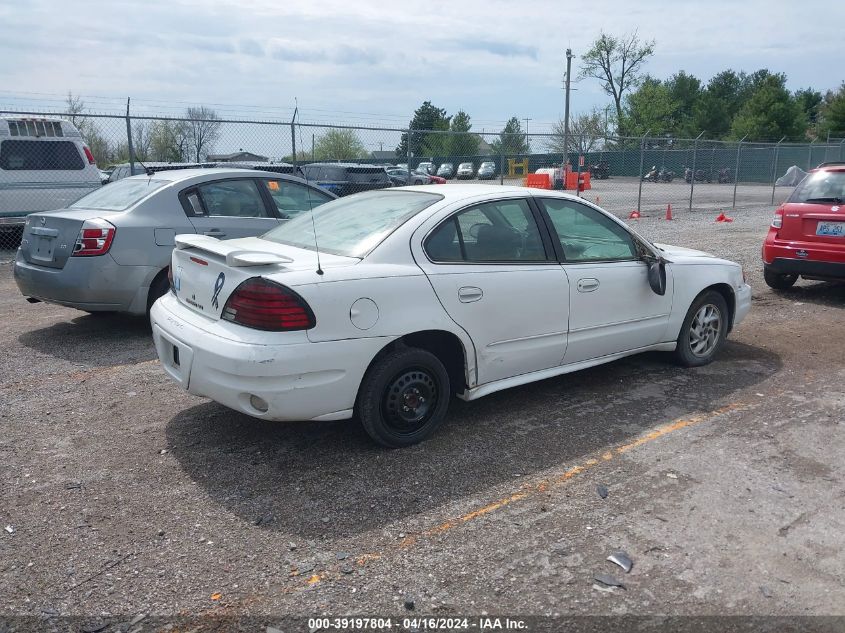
{"type": "Point", "coordinates": [807, 235]}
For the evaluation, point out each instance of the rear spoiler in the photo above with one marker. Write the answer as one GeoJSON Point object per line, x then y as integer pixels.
{"type": "Point", "coordinates": [235, 257]}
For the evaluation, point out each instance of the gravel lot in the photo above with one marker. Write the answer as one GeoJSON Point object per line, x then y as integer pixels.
{"type": "Point", "coordinates": [125, 495]}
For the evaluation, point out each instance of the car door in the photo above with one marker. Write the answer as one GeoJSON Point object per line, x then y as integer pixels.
{"type": "Point", "coordinates": [495, 274]}
{"type": "Point", "coordinates": [612, 306]}
{"type": "Point", "coordinates": [229, 208]}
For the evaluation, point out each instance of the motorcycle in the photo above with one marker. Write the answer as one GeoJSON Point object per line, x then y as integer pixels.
{"type": "Point", "coordinates": [651, 176]}
{"type": "Point", "coordinates": [664, 175]}
{"type": "Point", "coordinates": [601, 171]}
{"type": "Point", "coordinates": [725, 175]}
{"type": "Point", "coordinates": [700, 175]}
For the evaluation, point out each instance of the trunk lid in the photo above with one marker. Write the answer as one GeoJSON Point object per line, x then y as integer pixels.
{"type": "Point", "coordinates": [49, 237]}
{"type": "Point", "coordinates": [206, 271]}
{"type": "Point", "coordinates": [814, 222]}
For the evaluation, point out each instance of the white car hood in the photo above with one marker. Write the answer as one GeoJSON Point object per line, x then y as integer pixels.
{"type": "Point", "coordinates": [679, 251]}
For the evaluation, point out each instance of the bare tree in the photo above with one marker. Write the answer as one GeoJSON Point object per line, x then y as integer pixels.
{"type": "Point", "coordinates": [168, 141]}
{"type": "Point", "coordinates": [203, 130]}
{"type": "Point", "coordinates": [617, 62]}
{"type": "Point", "coordinates": [141, 139]}
{"type": "Point", "coordinates": [75, 107]}
{"type": "Point", "coordinates": [585, 133]}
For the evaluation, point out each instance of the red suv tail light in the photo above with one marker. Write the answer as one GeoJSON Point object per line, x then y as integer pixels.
{"type": "Point", "coordinates": [89, 155]}
{"type": "Point", "coordinates": [265, 305]}
{"type": "Point", "coordinates": [777, 221]}
{"type": "Point", "coordinates": [95, 238]}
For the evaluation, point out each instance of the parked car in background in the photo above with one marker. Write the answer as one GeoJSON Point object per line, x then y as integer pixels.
{"type": "Point", "coordinates": [110, 250]}
{"type": "Point", "coordinates": [465, 170]}
{"type": "Point", "coordinates": [343, 179]}
{"type": "Point", "coordinates": [400, 177]}
{"type": "Point", "coordinates": [460, 290]}
{"type": "Point", "coordinates": [44, 164]}
{"type": "Point", "coordinates": [487, 170]}
{"type": "Point", "coordinates": [124, 170]}
{"type": "Point", "coordinates": [436, 180]}
{"type": "Point", "coordinates": [446, 170]}
{"type": "Point", "coordinates": [807, 235]}
{"type": "Point", "coordinates": [276, 168]}
{"type": "Point", "coordinates": [427, 167]}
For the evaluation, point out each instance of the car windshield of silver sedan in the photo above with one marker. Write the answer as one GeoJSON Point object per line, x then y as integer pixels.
{"type": "Point", "coordinates": [353, 226]}
{"type": "Point", "coordinates": [119, 196]}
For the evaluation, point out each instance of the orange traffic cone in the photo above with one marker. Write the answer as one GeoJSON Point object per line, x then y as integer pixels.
{"type": "Point", "coordinates": [635, 215]}
{"type": "Point", "coordinates": [723, 218]}
{"type": "Point", "coordinates": [669, 212]}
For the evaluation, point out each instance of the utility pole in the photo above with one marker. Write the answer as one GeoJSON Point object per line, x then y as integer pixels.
{"type": "Point", "coordinates": [527, 139]}
{"type": "Point", "coordinates": [569, 57]}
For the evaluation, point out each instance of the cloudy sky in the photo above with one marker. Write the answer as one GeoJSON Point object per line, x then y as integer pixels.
{"type": "Point", "coordinates": [373, 62]}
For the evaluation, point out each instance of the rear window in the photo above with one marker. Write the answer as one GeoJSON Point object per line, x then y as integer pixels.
{"type": "Point", "coordinates": [119, 196]}
{"type": "Point", "coordinates": [821, 187]}
{"type": "Point", "coordinates": [324, 172]}
{"type": "Point", "coordinates": [352, 226]}
{"type": "Point", "coordinates": [40, 155]}
{"type": "Point", "coordinates": [359, 175]}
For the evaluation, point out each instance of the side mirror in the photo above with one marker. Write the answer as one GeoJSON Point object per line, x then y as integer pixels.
{"type": "Point", "coordinates": [657, 276]}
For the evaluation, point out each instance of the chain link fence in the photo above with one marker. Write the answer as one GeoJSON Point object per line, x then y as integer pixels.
{"type": "Point", "coordinates": [48, 160]}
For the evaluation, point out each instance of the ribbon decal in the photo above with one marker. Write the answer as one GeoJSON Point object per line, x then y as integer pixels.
{"type": "Point", "coordinates": [218, 286]}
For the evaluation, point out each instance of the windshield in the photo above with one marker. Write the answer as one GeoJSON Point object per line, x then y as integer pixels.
{"type": "Point", "coordinates": [355, 225]}
{"type": "Point", "coordinates": [821, 187]}
{"type": "Point", "coordinates": [119, 196]}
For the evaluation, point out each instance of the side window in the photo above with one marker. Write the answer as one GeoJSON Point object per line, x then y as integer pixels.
{"type": "Point", "coordinates": [587, 235]}
{"type": "Point", "coordinates": [291, 198]}
{"type": "Point", "coordinates": [232, 198]}
{"type": "Point", "coordinates": [494, 232]}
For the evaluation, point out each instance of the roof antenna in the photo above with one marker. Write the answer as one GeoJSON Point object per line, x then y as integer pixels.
{"type": "Point", "coordinates": [305, 174]}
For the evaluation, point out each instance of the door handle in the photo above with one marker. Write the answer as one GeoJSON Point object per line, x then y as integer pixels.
{"type": "Point", "coordinates": [468, 294]}
{"type": "Point", "coordinates": [215, 233]}
{"type": "Point", "coordinates": [587, 285]}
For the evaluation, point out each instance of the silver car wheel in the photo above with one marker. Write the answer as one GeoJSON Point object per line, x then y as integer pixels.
{"type": "Point", "coordinates": [705, 330]}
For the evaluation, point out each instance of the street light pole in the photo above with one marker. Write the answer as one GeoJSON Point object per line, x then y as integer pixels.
{"type": "Point", "coordinates": [569, 57]}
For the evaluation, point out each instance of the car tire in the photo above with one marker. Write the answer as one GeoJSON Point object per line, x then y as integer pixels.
{"type": "Point", "coordinates": [410, 375]}
{"type": "Point", "coordinates": [778, 281]}
{"type": "Point", "coordinates": [701, 337]}
{"type": "Point", "coordinates": [158, 289]}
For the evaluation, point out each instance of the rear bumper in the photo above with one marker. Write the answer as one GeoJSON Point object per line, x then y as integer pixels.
{"type": "Point", "coordinates": [298, 381]}
{"type": "Point", "coordinates": [807, 267]}
{"type": "Point", "coordinates": [94, 284]}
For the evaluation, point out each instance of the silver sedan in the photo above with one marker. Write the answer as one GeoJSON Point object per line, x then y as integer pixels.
{"type": "Point", "coordinates": [110, 250]}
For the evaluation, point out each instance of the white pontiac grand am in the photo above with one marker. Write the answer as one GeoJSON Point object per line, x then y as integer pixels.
{"type": "Point", "coordinates": [413, 296]}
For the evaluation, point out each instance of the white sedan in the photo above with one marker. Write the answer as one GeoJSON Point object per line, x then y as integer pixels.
{"type": "Point", "coordinates": [407, 297]}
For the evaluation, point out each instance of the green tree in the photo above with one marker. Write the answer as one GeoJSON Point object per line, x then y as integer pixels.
{"type": "Point", "coordinates": [461, 142]}
{"type": "Point", "coordinates": [168, 141]}
{"type": "Point", "coordinates": [718, 104]}
{"type": "Point", "coordinates": [810, 101]}
{"type": "Point", "coordinates": [426, 117]}
{"type": "Point", "coordinates": [511, 140]}
{"type": "Point", "coordinates": [617, 63]}
{"type": "Point", "coordinates": [832, 113]}
{"type": "Point", "coordinates": [769, 113]}
{"type": "Point", "coordinates": [650, 109]}
{"type": "Point", "coordinates": [339, 145]}
{"type": "Point", "coordinates": [685, 92]}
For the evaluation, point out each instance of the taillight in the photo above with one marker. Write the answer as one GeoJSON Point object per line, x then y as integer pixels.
{"type": "Point", "coordinates": [777, 221]}
{"type": "Point", "coordinates": [265, 305]}
{"type": "Point", "coordinates": [88, 155]}
{"type": "Point", "coordinates": [95, 238]}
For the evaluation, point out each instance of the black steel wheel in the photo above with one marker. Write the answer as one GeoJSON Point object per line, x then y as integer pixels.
{"type": "Point", "coordinates": [404, 397]}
